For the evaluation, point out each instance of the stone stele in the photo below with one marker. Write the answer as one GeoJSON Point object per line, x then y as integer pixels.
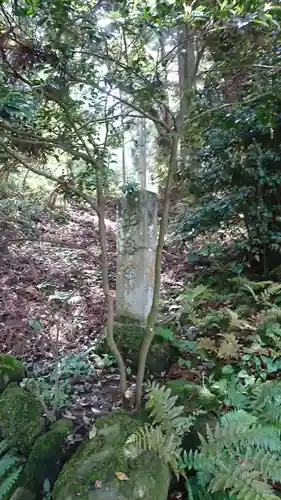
{"type": "Point", "coordinates": [136, 250]}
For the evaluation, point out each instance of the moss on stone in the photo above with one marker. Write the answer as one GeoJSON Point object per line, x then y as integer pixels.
{"type": "Point", "coordinates": [20, 418]}
{"type": "Point", "coordinates": [127, 319]}
{"type": "Point", "coordinates": [11, 370]}
{"type": "Point", "coordinates": [22, 494]}
{"type": "Point", "coordinates": [192, 395]}
{"type": "Point", "coordinates": [102, 457]}
{"type": "Point", "coordinates": [129, 337]}
{"type": "Point", "coordinates": [45, 459]}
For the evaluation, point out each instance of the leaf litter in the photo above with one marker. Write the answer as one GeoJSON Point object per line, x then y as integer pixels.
{"type": "Point", "coordinates": [55, 277]}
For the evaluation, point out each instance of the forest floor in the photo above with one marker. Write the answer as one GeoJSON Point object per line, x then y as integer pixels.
{"type": "Point", "coordinates": [52, 303]}
{"type": "Point", "coordinates": [58, 272]}
{"type": "Point", "coordinates": [52, 310]}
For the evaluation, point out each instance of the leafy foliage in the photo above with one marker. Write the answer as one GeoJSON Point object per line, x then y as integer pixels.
{"type": "Point", "coordinates": [56, 387]}
{"type": "Point", "coordinates": [10, 470]}
{"type": "Point", "coordinates": [237, 182]}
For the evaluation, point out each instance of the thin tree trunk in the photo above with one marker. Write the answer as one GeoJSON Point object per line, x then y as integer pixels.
{"type": "Point", "coordinates": [106, 288]}
{"type": "Point", "coordinates": [123, 142]}
{"type": "Point", "coordinates": [150, 325]}
{"type": "Point", "coordinates": [186, 68]}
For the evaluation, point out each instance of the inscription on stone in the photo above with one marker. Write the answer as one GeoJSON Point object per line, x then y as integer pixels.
{"type": "Point", "coordinates": [130, 273]}
{"type": "Point", "coordinates": [136, 246]}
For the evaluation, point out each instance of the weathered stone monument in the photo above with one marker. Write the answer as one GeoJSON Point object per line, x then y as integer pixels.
{"type": "Point", "coordinates": [136, 248]}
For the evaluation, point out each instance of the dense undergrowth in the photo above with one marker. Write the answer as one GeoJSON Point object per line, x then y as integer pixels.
{"type": "Point", "coordinates": [224, 328]}
{"type": "Point", "coordinates": [211, 415]}
{"type": "Point", "coordinates": [227, 328]}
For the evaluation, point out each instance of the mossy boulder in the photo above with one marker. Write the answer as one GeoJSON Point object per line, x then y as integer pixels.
{"type": "Point", "coordinates": [129, 337]}
{"type": "Point", "coordinates": [193, 396]}
{"type": "Point", "coordinates": [21, 419]}
{"type": "Point", "coordinates": [22, 494]}
{"type": "Point", "coordinates": [11, 370]}
{"type": "Point", "coordinates": [44, 461]}
{"type": "Point", "coordinates": [91, 473]}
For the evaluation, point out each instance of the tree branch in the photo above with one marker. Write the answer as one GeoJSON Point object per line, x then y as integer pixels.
{"type": "Point", "coordinates": [47, 175]}
{"type": "Point", "coordinates": [194, 119]}
{"type": "Point", "coordinates": [77, 132]}
{"type": "Point", "coordinates": [39, 140]}
{"type": "Point", "coordinates": [154, 118]}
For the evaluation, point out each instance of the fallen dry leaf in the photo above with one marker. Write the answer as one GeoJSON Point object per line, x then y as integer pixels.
{"type": "Point", "coordinates": [121, 476]}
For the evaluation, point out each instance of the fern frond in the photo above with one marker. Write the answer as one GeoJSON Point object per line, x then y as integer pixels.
{"type": "Point", "coordinates": [251, 291]}
{"type": "Point", "coordinates": [6, 463]}
{"type": "Point", "coordinates": [260, 285]}
{"type": "Point", "coordinates": [243, 482]}
{"type": "Point", "coordinates": [195, 459]}
{"type": "Point", "coordinates": [165, 412]}
{"type": "Point", "coordinates": [207, 344]}
{"type": "Point", "coordinates": [198, 292]}
{"type": "Point", "coordinates": [274, 313]}
{"type": "Point", "coordinates": [234, 427]}
{"type": "Point", "coordinates": [3, 446]}
{"type": "Point", "coordinates": [229, 347]}
{"type": "Point", "coordinates": [268, 464]}
{"type": "Point", "coordinates": [236, 323]}
{"type": "Point", "coordinates": [273, 289]}
{"type": "Point", "coordinates": [150, 438]}
{"type": "Point", "coordinates": [271, 414]}
{"type": "Point", "coordinates": [266, 400]}
{"type": "Point", "coordinates": [7, 484]}
{"type": "Point", "coordinates": [235, 397]}
{"type": "Point", "coordinates": [196, 492]}
{"type": "Point", "coordinates": [165, 434]}
{"type": "Point", "coordinates": [266, 438]}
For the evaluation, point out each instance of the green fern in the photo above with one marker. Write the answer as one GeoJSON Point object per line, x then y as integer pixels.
{"type": "Point", "coordinates": [196, 492]}
{"type": "Point", "coordinates": [3, 447]}
{"type": "Point", "coordinates": [241, 455]}
{"type": "Point", "coordinates": [272, 314]}
{"type": "Point", "coordinates": [269, 288]}
{"type": "Point", "coordinates": [164, 411]}
{"type": "Point", "coordinates": [9, 481]}
{"type": "Point", "coordinates": [165, 434]}
{"type": "Point", "coordinates": [9, 470]}
{"type": "Point", "coordinates": [6, 463]}
{"type": "Point", "coordinates": [149, 438]}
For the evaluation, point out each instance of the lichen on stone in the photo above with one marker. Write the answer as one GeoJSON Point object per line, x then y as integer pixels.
{"type": "Point", "coordinates": [11, 370]}
{"type": "Point", "coordinates": [91, 472]}
{"type": "Point", "coordinates": [21, 419]}
{"type": "Point", "coordinates": [46, 456]}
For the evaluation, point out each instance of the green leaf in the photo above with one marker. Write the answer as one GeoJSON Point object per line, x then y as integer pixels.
{"type": "Point", "coordinates": [36, 324]}
{"type": "Point", "coordinates": [227, 370]}
{"type": "Point", "coordinates": [164, 333]}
